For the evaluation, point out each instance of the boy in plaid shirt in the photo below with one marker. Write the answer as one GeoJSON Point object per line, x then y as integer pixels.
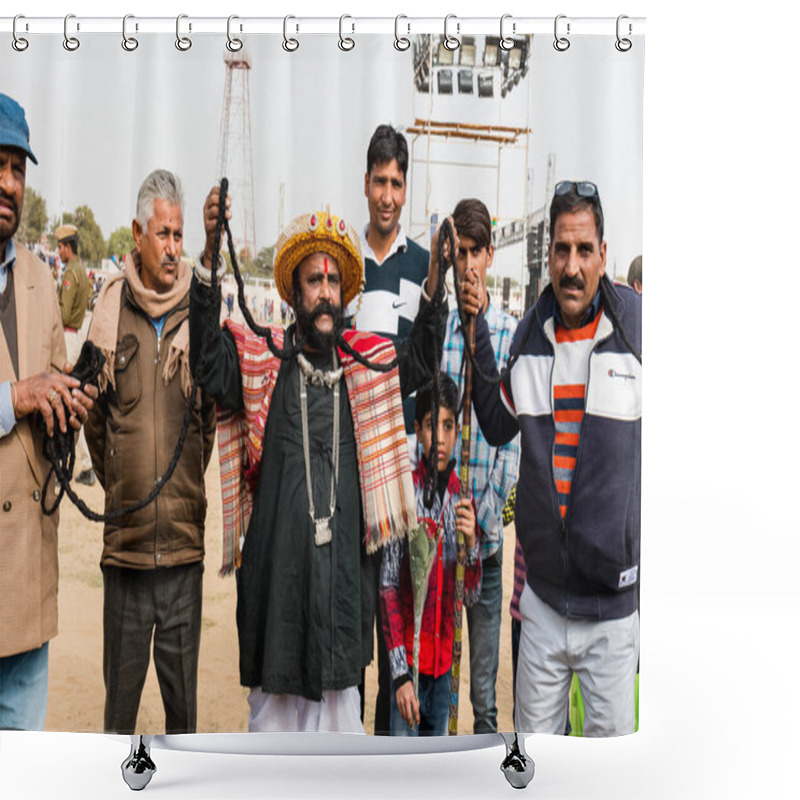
{"type": "Point", "coordinates": [492, 470]}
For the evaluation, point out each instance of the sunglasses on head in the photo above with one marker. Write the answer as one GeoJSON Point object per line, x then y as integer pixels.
{"type": "Point", "coordinates": [581, 188]}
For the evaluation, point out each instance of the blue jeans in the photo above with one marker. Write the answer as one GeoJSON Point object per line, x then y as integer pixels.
{"type": "Point", "coordinates": [434, 708]}
{"type": "Point", "coordinates": [23, 689]}
{"type": "Point", "coordinates": [483, 622]}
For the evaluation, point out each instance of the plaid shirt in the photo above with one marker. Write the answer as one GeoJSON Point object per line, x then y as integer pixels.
{"type": "Point", "coordinates": [492, 470]}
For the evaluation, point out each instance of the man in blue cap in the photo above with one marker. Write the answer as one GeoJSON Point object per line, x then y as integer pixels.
{"type": "Point", "coordinates": [32, 356]}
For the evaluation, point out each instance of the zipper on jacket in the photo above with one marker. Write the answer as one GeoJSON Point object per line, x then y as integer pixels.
{"type": "Point", "coordinates": [583, 421]}
{"type": "Point", "coordinates": [565, 520]}
{"type": "Point", "coordinates": [561, 520]}
{"type": "Point", "coordinates": [158, 477]}
{"type": "Point", "coordinates": [156, 554]}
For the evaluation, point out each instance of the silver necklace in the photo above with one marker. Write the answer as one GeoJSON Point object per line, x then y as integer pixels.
{"type": "Point", "coordinates": [322, 526]}
{"type": "Point", "coordinates": [316, 376]}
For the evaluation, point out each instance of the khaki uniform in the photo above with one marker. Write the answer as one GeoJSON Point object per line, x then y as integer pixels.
{"type": "Point", "coordinates": [74, 294]}
{"type": "Point", "coordinates": [73, 298]}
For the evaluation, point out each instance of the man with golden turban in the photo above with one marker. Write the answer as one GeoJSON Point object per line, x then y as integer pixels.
{"type": "Point", "coordinates": [315, 471]}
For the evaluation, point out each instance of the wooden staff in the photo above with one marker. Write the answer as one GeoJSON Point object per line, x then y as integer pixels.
{"type": "Point", "coordinates": [461, 545]}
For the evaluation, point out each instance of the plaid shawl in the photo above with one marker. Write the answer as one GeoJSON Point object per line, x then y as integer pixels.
{"type": "Point", "coordinates": [387, 489]}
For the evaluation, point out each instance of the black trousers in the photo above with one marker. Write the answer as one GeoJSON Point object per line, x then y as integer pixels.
{"type": "Point", "coordinates": [162, 606]}
{"type": "Point", "coordinates": [383, 701]}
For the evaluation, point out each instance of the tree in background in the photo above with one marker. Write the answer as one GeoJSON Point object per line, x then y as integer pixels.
{"type": "Point", "coordinates": [34, 217]}
{"type": "Point", "coordinates": [262, 265]}
{"type": "Point", "coordinates": [120, 243]}
{"type": "Point", "coordinates": [91, 245]}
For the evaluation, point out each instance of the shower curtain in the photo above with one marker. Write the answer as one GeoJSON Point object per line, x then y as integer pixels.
{"type": "Point", "coordinates": [290, 129]}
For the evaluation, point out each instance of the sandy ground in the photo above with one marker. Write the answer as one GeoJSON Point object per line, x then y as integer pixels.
{"type": "Point", "coordinates": [76, 693]}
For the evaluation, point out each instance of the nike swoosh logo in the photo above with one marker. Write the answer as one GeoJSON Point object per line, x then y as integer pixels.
{"type": "Point", "coordinates": [397, 305]}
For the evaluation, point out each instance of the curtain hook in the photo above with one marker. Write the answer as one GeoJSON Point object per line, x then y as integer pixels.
{"type": "Point", "coordinates": [129, 43]}
{"type": "Point", "coordinates": [561, 43]}
{"type": "Point", "coordinates": [71, 43]}
{"type": "Point", "coordinates": [19, 43]}
{"type": "Point", "coordinates": [401, 42]}
{"type": "Point", "coordinates": [623, 45]}
{"type": "Point", "coordinates": [183, 43]}
{"type": "Point", "coordinates": [451, 42]}
{"type": "Point", "coordinates": [289, 44]}
{"type": "Point", "coordinates": [345, 42]}
{"type": "Point", "coordinates": [234, 44]}
{"type": "Point", "coordinates": [506, 42]}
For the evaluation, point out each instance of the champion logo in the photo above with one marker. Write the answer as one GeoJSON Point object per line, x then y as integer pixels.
{"type": "Point", "coordinates": [612, 373]}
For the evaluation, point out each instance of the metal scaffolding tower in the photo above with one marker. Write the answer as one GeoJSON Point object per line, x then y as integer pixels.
{"type": "Point", "coordinates": [235, 151]}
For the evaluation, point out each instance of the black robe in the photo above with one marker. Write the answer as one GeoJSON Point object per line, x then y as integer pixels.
{"type": "Point", "coordinates": [304, 613]}
{"type": "Point", "coordinates": [302, 607]}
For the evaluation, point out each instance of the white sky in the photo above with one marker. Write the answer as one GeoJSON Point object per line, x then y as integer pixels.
{"type": "Point", "coordinates": [102, 118]}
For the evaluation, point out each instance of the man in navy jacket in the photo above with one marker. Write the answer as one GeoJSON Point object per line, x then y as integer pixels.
{"type": "Point", "coordinates": [573, 391]}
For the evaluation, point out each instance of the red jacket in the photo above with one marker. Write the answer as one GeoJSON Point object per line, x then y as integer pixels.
{"type": "Point", "coordinates": [396, 596]}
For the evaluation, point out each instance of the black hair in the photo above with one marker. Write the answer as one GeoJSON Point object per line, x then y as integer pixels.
{"type": "Point", "coordinates": [72, 241]}
{"type": "Point", "coordinates": [571, 202]}
{"type": "Point", "coordinates": [635, 271]}
{"type": "Point", "coordinates": [471, 218]}
{"type": "Point", "coordinates": [448, 397]}
{"type": "Point", "coordinates": [385, 145]}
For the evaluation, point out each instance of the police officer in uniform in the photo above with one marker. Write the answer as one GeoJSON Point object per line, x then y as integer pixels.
{"type": "Point", "coordinates": [73, 299]}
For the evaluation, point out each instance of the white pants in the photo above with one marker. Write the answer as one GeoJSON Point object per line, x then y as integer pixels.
{"type": "Point", "coordinates": [83, 461]}
{"type": "Point", "coordinates": [604, 656]}
{"type": "Point", "coordinates": [338, 712]}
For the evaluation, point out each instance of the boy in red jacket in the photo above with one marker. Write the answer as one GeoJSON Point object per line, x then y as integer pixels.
{"type": "Point", "coordinates": [427, 713]}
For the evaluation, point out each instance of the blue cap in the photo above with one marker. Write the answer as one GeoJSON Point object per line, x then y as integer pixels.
{"type": "Point", "coordinates": [13, 127]}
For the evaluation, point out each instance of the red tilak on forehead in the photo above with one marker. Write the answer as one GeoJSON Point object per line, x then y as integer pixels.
{"type": "Point", "coordinates": [326, 265]}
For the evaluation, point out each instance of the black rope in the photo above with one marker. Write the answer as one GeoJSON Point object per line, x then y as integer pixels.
{"type": "Point", "coordinates": [64, 475]}
{"type": "Point", "coordinates": [62, 457]}
{"type": "Point", "coordinates": [264, 332]}
{"type": "Point", "coordinates": [445, 232]}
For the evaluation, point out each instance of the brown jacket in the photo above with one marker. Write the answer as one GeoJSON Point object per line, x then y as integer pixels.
{"type": "Point", "coordinates": [28, 539]}
{"type": "Point", "coordinates": [132, 432]}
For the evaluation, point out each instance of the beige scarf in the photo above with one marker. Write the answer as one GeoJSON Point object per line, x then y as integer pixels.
{"type": "Point", "coordinates": [105, 319]}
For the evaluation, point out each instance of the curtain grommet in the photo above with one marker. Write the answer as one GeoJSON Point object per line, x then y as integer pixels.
{"type": "Point", "coordinates": [561, 43]}
{"type": "Point", "coordinates": [71, 43]}
{"type": "Point", "coordinates": [183, 43]}
{"type": "Point", "coordinates": [401, 43]}
{"type": "Point", "coordinates": [451, 42]}
{"type": "Point", "coordinates": [19, 43]}
{"type": "Point", "coordinates": [623, 44]}
{"type": "Point", "coordinates": [129, 43]}
{"type": "Point", "coordinates": [234, 44]}
{"type": "Point", "coordinates": [346, 43]}
{"type": "Point", "coordinates": [289, 44]}
{"type": "Point", "coordinates": [506, 42]}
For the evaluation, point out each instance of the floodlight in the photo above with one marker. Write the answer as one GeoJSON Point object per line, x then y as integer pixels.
{"type": "Point", "coordinates": [491, 51]}
{"type": "Point", "coordinates": [445, 81]}
{"type": "Point", "coordinates": [467, 51]}
{"type": "Point", "coordinates": [485, 85]}
{"type": "Point", "coordinates": [465, 81]}
{"type": "Point", "coordinates": [444, 56]}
